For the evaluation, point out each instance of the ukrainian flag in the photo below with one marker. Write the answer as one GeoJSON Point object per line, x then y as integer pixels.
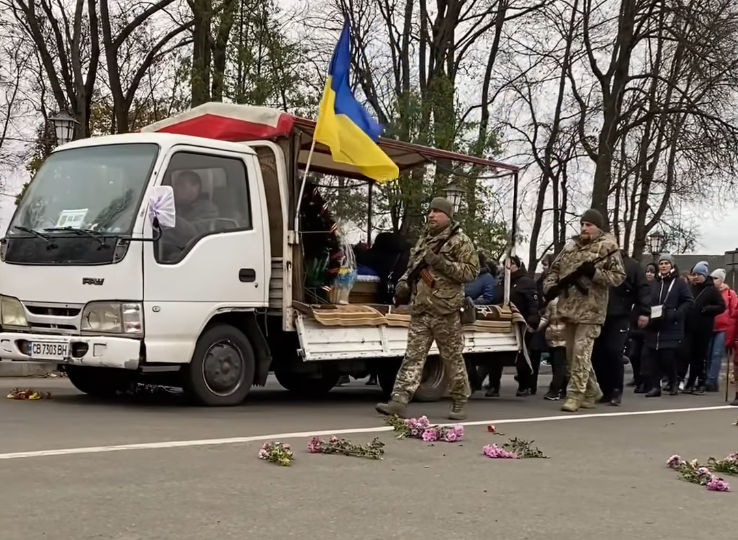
{"type": "Point", "coordinates": [343, 124]}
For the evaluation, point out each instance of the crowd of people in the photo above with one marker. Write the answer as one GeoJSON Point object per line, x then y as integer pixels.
{"type": "Point", "coordinates": [590, 312]}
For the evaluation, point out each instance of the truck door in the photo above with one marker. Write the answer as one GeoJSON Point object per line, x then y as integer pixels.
{"type": "Point", "coordinates": [214, 259]}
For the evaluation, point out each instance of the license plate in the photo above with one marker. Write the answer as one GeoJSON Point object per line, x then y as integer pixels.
{"type": "Point", "coordinates": [48, 350]}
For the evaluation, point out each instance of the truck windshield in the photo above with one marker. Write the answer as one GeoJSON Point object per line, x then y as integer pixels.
{"type": "Point", "coordinates": [78, 198]}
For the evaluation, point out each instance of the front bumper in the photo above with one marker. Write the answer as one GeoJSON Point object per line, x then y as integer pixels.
{"type": "Point", "coordinates": [96, 351]}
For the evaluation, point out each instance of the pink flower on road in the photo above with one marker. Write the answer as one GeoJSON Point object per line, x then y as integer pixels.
{"type": "Point", "coordinates": [314, 446]}
{"type": "Point", "coordinates": [674, 462]}
{"type": "Point", "coordinates": [450, 436]}
{"type": "Point", "coordinates": [718, 484]}
{"type": "Point", "coordinates": [430, 435]}
{"type": "Point", "coordinates": [495, 452]}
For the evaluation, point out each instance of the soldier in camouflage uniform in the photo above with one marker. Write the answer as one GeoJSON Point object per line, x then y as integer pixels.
{"type": "Point", "coordinates": [440, 263]}
{"type": "Point", "coordinates": [581, 277]}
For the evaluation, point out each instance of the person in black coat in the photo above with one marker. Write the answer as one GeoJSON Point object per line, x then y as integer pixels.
{"type": "Point", "coordinates": [388, 257]}
{"type": "Point", "coordinates": [670, 302]}
{"type": "Point", "coordinates": [636, 336]}
{"type": "Point", "coordinates": [631, 298]}
{"type": "Point", "coordinates": [708, 303]}
{"type": "Point", "coordinates": [524, 295]}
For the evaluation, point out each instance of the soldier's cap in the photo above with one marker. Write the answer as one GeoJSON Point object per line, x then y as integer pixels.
{"type": "Point", "coordinates": [594, 217]}
{"type": "Point", "coordinates": [442, 205]}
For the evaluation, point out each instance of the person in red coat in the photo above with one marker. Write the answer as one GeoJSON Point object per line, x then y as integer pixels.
{"type": "Point", "coordinates": [723, 330]}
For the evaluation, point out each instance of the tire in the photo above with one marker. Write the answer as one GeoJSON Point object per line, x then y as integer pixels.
{"type": "Point", "coordinates": [386, 376]}
{"type": "Point", "coordinates": [99, 382]}
{"type": "Point", "coordinates": [311, 385]}
{"type": "Point", "coordinates": [433, 384]}
{"type": "Point", "coordinates": [222, 368]}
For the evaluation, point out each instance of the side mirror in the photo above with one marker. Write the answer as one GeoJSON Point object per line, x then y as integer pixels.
{"type": "Point", "coordinates": [162, 211]}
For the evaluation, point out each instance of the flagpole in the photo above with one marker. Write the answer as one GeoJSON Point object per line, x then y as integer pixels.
{"type": "Point", "coordinates": [302, 190]}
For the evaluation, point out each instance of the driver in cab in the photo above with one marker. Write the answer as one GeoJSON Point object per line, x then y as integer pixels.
{"type": "Point", "coordinates": [191, 203]}
{"type": "Point", "coordinates": [193, 209]}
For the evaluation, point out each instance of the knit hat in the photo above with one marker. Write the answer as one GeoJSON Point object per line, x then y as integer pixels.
{"type": "Point", "coordinates": [442, 205]}
{"type": "Point", "coordinates": [594, 217]}
{"type": "Point", "coordinates": [719, 273]}
{"type": "Point", "coordinates": [701, 269]}
{"type": "Point", "coordinates": [667, 257]}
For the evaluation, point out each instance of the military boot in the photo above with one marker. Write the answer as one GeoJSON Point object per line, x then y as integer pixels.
{"type": "Point", "coordinates": [570, 405]}
{"type": "Point", "coordinates": [393, 408]}
{"type": "Point", "coordinates": [590, 401]}
{"type": "Point", "coordinates": [457, 411]}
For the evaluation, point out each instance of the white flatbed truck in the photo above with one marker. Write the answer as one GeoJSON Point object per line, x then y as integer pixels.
{"type": "Point", "coordinates": [88, 282]}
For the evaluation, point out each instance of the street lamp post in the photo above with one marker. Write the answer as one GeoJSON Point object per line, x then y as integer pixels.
{"type": "Point", "coordinates": [64, 125]}
{"type": "Point", "coordinates": [656, 244]}
{"type": "Point", "coordinates": [454, 194]}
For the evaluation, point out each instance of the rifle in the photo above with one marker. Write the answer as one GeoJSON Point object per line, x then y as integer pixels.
{"type": "Point", "coordinates": [420, 271]}
{"type": "Point", "coordinates": [573, 279]}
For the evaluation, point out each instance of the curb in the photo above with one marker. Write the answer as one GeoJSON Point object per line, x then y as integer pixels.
{"type": "Point", "coordinates": [25, 369]}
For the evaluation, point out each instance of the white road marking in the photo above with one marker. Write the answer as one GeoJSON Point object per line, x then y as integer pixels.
{"type": "Point", "coordinates": [283, 436]}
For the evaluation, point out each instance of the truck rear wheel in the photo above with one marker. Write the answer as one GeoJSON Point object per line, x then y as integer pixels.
{"type": "Point", "coordinates": [99, 382]}
{"type": "Point", "coordinates": [386, 376]}
{"type": "Point", "coordinates": [222, 367]}
{"type": "Point", "coordinates": [312, 385]}
{"type": "Point", "coordinates": [433, 385]}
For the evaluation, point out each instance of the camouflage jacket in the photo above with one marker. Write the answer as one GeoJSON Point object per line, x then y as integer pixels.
{"type": "Point", "coordinates": [554, 325]}
{"type": "Point", "coordinates": [590, 308]}
{"type": "Point", "coordinates": [456, 264]}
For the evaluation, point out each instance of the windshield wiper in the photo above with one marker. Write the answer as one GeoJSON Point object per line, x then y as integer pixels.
{"type": "Point", "coordinates": [34, 233]}
{"type": "Point", "coordinates": [98, 236]}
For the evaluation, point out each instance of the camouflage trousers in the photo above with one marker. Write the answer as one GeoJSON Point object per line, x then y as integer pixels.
{"type": "Point", "coordinates": [447, 332]}
{"type": "Point", "coordinates": [579, 343]}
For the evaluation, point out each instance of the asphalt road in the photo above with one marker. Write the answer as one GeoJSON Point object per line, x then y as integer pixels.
{"type": "Point", "coordinates": [606, 476]}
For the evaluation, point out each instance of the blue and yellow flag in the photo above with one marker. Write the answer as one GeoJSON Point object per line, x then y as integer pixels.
{"type": "Point", "coordinates": [343, 124]}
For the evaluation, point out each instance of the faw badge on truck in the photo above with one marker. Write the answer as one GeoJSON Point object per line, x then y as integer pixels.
{"type": "Point", "coordinates": [92, 281]}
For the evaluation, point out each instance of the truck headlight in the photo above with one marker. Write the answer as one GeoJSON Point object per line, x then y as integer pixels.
{"type": "Point", "coordinates": [12, 312]}
{"type": "Point", "coordinates": [113, 318]}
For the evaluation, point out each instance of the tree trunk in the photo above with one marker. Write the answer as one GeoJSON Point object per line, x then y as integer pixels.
{"type": "Point", "coordinates": [202, 16]}
{"type": "Point", "coordinates": [228, 10]}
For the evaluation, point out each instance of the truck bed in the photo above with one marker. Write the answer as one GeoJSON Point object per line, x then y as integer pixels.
{"type": "Point", "coordinates": [338, 332]}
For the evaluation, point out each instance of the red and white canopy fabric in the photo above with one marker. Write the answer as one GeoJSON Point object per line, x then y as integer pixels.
{"type": "Point", "coordinates": [228, 122]}
{"type": "Point", "coordinates": [239, 123]}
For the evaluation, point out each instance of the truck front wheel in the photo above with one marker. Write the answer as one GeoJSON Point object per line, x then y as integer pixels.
{"type": "Point", "coordinates": [222, 367]}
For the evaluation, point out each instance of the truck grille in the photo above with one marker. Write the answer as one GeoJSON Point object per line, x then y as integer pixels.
{"type": "Point", "coordinates": [53, 311]}
{"type": "Point", "coordinates": [53, 318]}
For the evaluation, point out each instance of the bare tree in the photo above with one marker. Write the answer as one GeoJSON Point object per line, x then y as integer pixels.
{"type": "Point", "coordinates": [69, 48]}
{"type": "Point", "coordinates": [675, 123]}
{"type": "Point", "coordinates": [122, 37]}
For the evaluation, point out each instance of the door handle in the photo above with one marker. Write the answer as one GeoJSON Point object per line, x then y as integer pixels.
{"type": "Point", "coordinates": [247, 275]}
